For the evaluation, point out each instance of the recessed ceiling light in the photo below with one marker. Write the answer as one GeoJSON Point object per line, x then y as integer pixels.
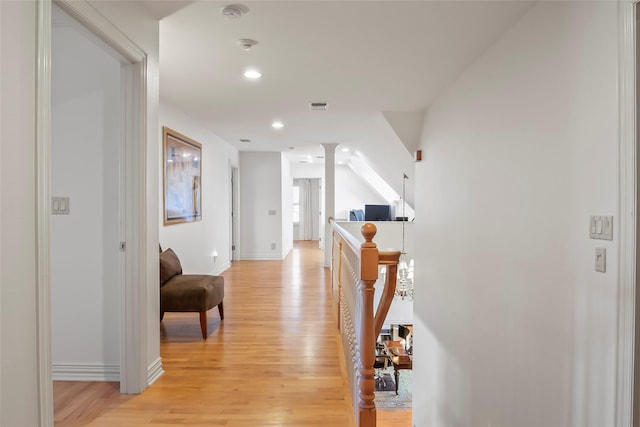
{"type": "Point", "coordinates": [252, 74]}
{"type": "Point", "coordinates": [345, 150]}
{"type": "Point", "coordinates": [245, 140]}
{"type": "Point", "coordinates": [277, 125]}
{"type": "Point", "coordinates": [292, 148]}
{"type": "Point", "coordinates": [186, 155]}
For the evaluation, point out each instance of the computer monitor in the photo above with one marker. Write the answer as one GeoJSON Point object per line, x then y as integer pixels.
{"type": "Point", "coordinates": [377, 212]}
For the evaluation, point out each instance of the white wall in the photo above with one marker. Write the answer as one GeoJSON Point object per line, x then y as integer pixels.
{"type": "Point", "coordinates": [85, 137]}
{"type": "Point", "coordinates": [18, 357]}
{"type": "Point", "coordinates": [261, 192]}
{"type": "Point", "coordinates": [513, 325]}
{"type": "Point", "coordinates": [351, 192]}
{"type": "Point", "coordinates": [195, 242]}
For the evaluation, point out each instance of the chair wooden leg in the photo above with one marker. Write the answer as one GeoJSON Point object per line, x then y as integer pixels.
{"type": "Point", "coordinates": [221, 310]}
{"type": "Point", "coordinates": [203, 324]}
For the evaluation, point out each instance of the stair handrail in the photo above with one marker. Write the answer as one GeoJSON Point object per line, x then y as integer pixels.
{"type": "Point", "coordinates": [357, 323]}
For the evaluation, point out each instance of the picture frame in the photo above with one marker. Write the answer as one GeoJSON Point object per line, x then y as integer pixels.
{"type": "Point", "coordinates": [182, 177]}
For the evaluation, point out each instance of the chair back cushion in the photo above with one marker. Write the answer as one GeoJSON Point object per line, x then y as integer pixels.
{"type": "Point", "coordinates": [169, 266]}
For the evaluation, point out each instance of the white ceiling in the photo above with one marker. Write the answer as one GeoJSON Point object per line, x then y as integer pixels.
{"type": "Point", "coordinates": [377, 63]}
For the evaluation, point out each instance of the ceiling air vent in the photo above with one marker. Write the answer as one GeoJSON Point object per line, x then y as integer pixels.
{"type": "Point", "coordinates": [245, 140]}
{"type": "Point", "coordinates": [318, 106]}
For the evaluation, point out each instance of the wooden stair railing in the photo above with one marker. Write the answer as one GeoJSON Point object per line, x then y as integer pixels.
{"type": "Point", "coordinates": [354, 274]}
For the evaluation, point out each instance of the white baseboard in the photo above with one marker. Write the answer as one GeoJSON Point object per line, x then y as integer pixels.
{"type": "Point", "coordinates": [261, 257]}
{"type": "Point", "coordinates": [85, 372]}
{"type": "Point", "coordinates": [154, 371]}
{"type": "Point", "coordinates": [218, 271]}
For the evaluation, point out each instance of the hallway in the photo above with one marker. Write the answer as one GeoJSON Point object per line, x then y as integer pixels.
{"type": "Point", "coordinates": [274, 361]}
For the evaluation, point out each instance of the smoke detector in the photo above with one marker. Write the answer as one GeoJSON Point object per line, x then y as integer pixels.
{"type": "Point", "coordinates": [247, 44]}
{"type": "Point", "coordinates": [234, 11]}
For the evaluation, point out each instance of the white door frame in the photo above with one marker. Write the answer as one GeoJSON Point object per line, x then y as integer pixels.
{"type": "Point", "coordinates": [628, 214]}
{"type": "Point", "coordinates": [132, 305]}
{"type": "Point", "coordinates": [234, 204]}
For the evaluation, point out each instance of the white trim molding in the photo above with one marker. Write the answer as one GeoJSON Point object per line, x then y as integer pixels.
{"type": "Point", "coordinates": [154, 371]}
{"type": "Point", "coordinates": [43, 148]}
{"type": "Point", "coordinates": [628, 217]}
{"type": "Point", "coordinates": [1, 376]}
{"type": "Point", "coordinates": [218, 271]}
{"type": "Point", "coordinates": [86, 372]}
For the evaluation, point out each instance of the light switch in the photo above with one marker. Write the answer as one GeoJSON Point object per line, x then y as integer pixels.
{"type": "Point", "coordinates": [60, 205]}
{"type": "Point", "coordinates": [601, 260]}
{"type": "Point", "coordinates": [606, 226]}
{"type": "Point", "coordinates": [601, 227]}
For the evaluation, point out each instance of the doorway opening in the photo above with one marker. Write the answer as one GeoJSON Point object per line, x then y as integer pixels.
{"type": "Point", "coordinates": [306, 209]}
{"type": "Point", "coordinates": [123, 313]}
{"type": "Point", "coordinates": [235, 217]}
{"type": "Point", "coordinates": [87, 136]}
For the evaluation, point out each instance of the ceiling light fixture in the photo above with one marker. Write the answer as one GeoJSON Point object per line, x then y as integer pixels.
{"type": "Point", "coordinates": [405, 268]}
{"type": "Point", "coordinates": [277, 125]}
{"type": "Point", "coordinates": [345, 150]}
{"type": "Point", "coordinates": [234, 11]}
{"type": "Point", "coordinates": [252, 74]}
{"type": "Point", "coordinates": [245, 140]}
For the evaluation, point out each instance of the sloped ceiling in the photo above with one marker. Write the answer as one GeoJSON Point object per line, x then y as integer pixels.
{"type": "Point", "coordinates": [378, 64]}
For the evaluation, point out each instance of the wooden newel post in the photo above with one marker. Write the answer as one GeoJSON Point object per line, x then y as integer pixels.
{"type": "Point", "coordinates": [366, 348]}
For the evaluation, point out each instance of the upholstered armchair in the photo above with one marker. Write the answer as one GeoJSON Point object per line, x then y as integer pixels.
{"type": "Point", "coordinates": [188, 292]}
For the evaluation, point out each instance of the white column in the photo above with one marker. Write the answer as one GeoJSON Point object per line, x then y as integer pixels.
{"type": "Point", "coordinates": [329, 197]}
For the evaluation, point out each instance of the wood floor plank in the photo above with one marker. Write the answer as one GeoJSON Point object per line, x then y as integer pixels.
{"type": "Point", "coordinates": [273, 361]}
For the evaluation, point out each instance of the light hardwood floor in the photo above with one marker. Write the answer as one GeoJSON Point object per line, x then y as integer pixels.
{"type": "Point", "coordinates": [273, 361]}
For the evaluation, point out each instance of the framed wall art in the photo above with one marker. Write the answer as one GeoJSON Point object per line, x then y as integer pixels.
{"type": "Point", "coordinates": [182, 171]}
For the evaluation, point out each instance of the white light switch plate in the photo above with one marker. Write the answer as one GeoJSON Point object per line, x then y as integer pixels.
{"type": "Point", "coordinates": [60, 205]}
{"type": "Point", "coordinates": [601, 227]}
{"type": "Point", "coordinates": [601, 260]}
